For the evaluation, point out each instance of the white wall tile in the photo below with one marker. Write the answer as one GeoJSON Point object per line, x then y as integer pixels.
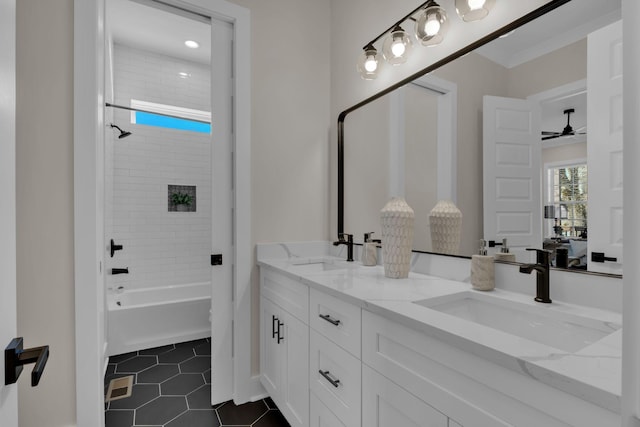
{"type": "Point", "coordinates": [160, 247]}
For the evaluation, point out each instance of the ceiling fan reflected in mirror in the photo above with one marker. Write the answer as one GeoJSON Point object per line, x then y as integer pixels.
{"type": "Point", "coordinates": [568, 130]}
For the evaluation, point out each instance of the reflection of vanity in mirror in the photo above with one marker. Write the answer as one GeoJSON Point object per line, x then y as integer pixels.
{"type": "Point", "coordinates": [493, 131]}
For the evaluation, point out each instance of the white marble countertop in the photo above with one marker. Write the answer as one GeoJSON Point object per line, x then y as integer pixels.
{"type": "Point", "coordinates": [593, 373]}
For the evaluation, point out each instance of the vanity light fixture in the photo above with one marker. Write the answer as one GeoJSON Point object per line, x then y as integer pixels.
{"type": "Point", "coordinates": [369, 63]}
{"type": "Point", "coordinates": [396, 46]}
{"type": "Point", "coordinates": [432, 24]}
{"type": "Point", "coordinates": [473, 10]}
{"type": "Point", "coordinates": [192, 44]}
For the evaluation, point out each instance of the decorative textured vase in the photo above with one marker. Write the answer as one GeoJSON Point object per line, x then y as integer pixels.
{"type": "Point", "coordinates": [182, 208]}
{"type": "Point", "coordinates": [445, 220]}
{"type": "Point", "coordinates": [396, 220]}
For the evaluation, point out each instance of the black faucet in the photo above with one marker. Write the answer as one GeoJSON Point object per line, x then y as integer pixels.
{"type": "Point", "coordinates": [348, 242]}
{"type": "Point", "coordinates": [542, 273]}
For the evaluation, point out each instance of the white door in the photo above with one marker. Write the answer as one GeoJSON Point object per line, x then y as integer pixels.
{"type": "Point", "coordinates": [512, 173]}
{"type": "Point", "coordinates": [604, 147]}
{"type": "Point", "coordinates": [222, 214]}
{"type": "Point", "coordinates": [8, 394]}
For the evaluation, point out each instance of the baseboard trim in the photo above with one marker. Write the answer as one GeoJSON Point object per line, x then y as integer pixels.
{"type": "Point", "coordinates": [252, 392]}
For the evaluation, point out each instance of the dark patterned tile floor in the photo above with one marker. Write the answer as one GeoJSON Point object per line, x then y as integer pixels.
{"type": "Point", "coordinates": [171, 388]}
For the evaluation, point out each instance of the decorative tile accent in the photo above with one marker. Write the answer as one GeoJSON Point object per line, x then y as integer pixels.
{"type": "Point", "coordinates": [189, 190]}
{"type": "Point", "coordinates": [175, 391]}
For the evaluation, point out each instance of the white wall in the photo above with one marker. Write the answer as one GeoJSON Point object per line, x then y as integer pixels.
{"type": "Point", "coordinates": [160, 248]}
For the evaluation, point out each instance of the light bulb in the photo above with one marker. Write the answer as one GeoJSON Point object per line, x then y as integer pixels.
{"type": "Point", "coordinates": [473, 10]}
{"type": "Point", "coordinates": [432, 26]}
{"type": "Point", "coordinates": [396, 46]}
{"type": "Point", "coordinates": [476, 4]}
{"type": "Point", "coordinates": [370, 64]}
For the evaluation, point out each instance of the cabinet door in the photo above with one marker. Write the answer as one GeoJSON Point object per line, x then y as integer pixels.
{"type": "Point", "coordinates": [270, 360]}
{"type": "Point", "coordinates": [321, 416]}
{"type": "Point", "coordinates": [384, 404]}
{"type": "Point", "coordinates": [294, 365]}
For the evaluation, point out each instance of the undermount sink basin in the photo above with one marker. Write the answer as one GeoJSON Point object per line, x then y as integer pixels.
{"type": "Point", "coordinates": [317, 265]}
{"type": "Point", "coordinates": [563, 331]}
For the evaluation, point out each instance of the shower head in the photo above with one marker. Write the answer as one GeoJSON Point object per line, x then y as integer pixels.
{"type": "Point", "coordinates": [123, 134]}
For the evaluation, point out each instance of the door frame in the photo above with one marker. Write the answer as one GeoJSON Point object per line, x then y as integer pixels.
{"type": "Point", "coordinates": [89, 51]}
{"type": "Point", "coordinates": [8, 309]}
{"type": "Point", "coordinates": [447, 139]}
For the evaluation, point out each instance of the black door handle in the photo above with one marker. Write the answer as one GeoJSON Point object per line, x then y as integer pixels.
{"type": "Point", "coordinates": [15, 358]}
{"type": "Point", "coordinates": [599, 257]}
{"type": "Point", "coordinates": [273, 326]}
{"type": "Point", "coordinates": [120, 270]}
{"type": "Point", "coordinates": [280, 337]}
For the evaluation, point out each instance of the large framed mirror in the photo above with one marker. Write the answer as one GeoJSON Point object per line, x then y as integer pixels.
{"type": "Point", "coordinates": [428, 138]}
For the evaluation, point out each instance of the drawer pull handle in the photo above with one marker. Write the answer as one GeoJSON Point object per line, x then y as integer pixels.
{"type": "Point", "coordinates": [326, 375]}
{"type": "Point", "coordinates": [328, 318]}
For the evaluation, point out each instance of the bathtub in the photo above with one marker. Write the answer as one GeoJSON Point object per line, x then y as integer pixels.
{"type": "Point", "coordinates": [152, 317]}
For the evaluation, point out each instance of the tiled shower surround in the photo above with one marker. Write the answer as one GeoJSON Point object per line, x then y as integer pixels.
{"type": "Point", "coordinates": [160, 248]}
{"type": "Point", "coordinates": [171, 388]}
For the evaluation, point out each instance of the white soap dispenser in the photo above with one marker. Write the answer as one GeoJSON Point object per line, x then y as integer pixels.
{"type": "Point", "coordinates": [504, 254]}
{"type": "Point", "coordinates": [369, 251]}
{"type": "Point", "coordinates": [482, 271]}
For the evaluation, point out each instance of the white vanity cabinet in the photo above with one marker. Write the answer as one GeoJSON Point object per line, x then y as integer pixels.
{"type": "Point", "coordinates": [284, 345]}
{"type": "Point", "coordinates": [327, 362]}
{"type": "Point", "coordinates": [468, 389]}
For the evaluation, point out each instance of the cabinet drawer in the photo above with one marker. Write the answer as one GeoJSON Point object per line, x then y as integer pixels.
{"type": "Point", "coordinates": [335, 378]}
{"type": "Point", "coordinates": [287, 293]}
{"type": "Point", "coordinates": [335, 319]}
{"type": "Point", "coordinates": [384, 404]}
{"type": "Point", "coordinates": [321, 416]}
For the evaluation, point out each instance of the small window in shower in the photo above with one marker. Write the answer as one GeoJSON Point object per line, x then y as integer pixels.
{"type": "Point", "coordinates": [170, 116]}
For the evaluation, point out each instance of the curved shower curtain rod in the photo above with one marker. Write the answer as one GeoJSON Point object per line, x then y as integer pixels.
{"type": "Point", "coordinates": [122, 107]}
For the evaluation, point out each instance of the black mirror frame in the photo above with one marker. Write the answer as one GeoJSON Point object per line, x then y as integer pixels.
{"type": "Point", "coordinates": [490, 37]}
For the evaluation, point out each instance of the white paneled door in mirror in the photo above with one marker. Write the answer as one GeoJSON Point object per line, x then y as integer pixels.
{"type": "Point", "coordinates": [604, 115]}
{"type": "Point", "coordinates": [511, 168]}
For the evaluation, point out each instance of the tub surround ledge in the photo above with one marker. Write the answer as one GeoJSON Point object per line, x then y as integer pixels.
{"type": "Point", "coordinates": [592, 373]}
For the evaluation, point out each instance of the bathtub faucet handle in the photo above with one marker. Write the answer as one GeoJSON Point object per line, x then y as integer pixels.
{"type": "Point", "coordinates": [113, 248]}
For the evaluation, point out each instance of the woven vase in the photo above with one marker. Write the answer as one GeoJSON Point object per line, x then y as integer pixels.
{"type": "Point", "coordinates": [396, 220]}
{"type": "Point", "coordinates": [445, 220]}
